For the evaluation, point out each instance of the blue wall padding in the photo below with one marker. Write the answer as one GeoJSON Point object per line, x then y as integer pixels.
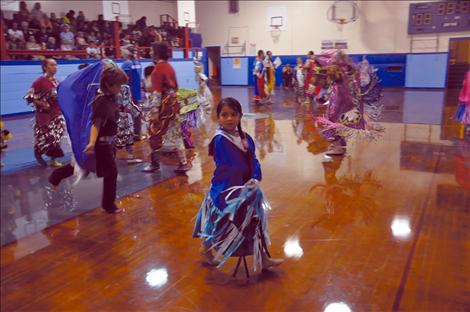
{"type": "Point", "coordinates": [426, 70]}
{"type": "Point", "coordinates": [16, 77]}
{"type": "Point", "coordinates": [234, 76]}
{"type": "Point", "coordinates": [391, 68]}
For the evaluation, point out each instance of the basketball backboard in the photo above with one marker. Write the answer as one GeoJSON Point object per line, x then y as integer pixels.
{"type": "Point", "coordinates": [116, 8]}
{"type": "Point", "coordinates": [277, 21]}
{"type": "Point", "coordinates": [276, 18]}
{"type": "Point", "coordinates": [186, 12]}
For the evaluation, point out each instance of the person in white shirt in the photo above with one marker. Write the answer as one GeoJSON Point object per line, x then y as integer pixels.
{"type": "Point", "coordinates": [67, 38]}
{"type": "Point", "coordinates": [93, 51]}
{"type": "Point", "coordinates": [16, 37]}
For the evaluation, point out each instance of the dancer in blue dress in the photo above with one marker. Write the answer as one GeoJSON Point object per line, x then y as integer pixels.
{"type": "Point", "coordinates": [232, 218]}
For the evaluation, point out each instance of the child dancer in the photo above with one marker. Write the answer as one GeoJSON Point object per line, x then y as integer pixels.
{"type": "Point", "coordinates": [123, 137]}
{"type": "Point", "coordinates": [147, 86]}
{"type": "Point", "coordinates": [204, 95]}
{"type": "Point", "coordinates": [5, 136]}
{"type": "Point", "coordinates": [232, 218]}
{"type": "Point", "coordinates": [103, 130]}
{"type": "Point", "coordinates": [463, 110]}
{"type": "Point", "coordinates": [255, 76]}
{"type": "Point", "coordinates": [352, 107]}
{"type": "Point", "coordinates": [165, 121]}
{"type": "Point", "coordinates": [49, 123]}
{"type": "Point", "coordinates": [310, 67]}
{"type": "Point", "coordinates": [287, 75]}
{"type": "Point", "coordinates": [128, 113]}
{"type": "Point", "coordinates": [259, 73]}
{"type": "Point", "coordinates": [299, 80]}
{"type": "Point", "coordinates": [270, 78]}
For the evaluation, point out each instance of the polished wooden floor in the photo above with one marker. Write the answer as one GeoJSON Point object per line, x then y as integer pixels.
{"type": "Point", "coordinates": [385, 228]}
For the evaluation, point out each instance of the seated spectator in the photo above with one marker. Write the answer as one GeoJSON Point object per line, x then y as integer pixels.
{"type": "Point", "coordinates": [80, 18]}
{"type": "Point", "coordinates": [67, 39]}
{"type": "Point", "coordinates": [36, 15]}
{"type": "Point", "coordinates": [91, 37]}
{"type": "Point", "coordinates": [95, 27]}
{"type": "Point", "coordinates": [157, 37]}
{"type": "Point", "coordinates": [146, 40]}
{"type": "Point", "coordinates": [107, 36]}
{"type": "Point", "coordinates": [16, 37]}
{"type": "Point", "coordinates": [125, 41]}
{"type": "Point", "coordinates": [24, 7]}
{"type": "Point", "coordinates": [108, 51]}
{"type": "Point", "coordinates": [81, 42]}
{"type": "Point", "coordinates": [27, 32]}
{"type": "Point", "coordinates": [137, 34]}
{"type": "Point", "coordinates": [23, 15]}
{"type": "Point", "coordinates": [53, 19]}
{"type": "Point", "coordinates": [108, 27]}
{"type": "Point", "coordinates": [93, 51]}
{"type": "Point", "coordinates": [141, 23]}
{"type": "Point", "coordinates": [32, 45]}
{"type": "Point", "coordinates": [42, 35]}
{"type": "Point", "coordinates": [287, 75]}
{"type": "Point", "coordinates": [51, 44]}
{"type": "Point", "coordinates": [100, 23]}
{"type": "Point", "coordinates": [84, 27]}
{"type": "Point", "coordinates": [44, 21]}
{"type": "Point", "coordinates": [69, 18]}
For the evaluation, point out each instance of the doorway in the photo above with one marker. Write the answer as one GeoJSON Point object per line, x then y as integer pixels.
{"type": "Point", "coordinates": [459, 61]}
{"type": "Point", "coordinates": [213, 55]}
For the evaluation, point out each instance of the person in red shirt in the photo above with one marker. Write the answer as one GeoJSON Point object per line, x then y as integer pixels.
{"type": "Point", "coordinates": [165, 123]}
{"type": "Point", "coordinates": [49, 123]}
{"type": "Point", "coordinates": [310, 89]}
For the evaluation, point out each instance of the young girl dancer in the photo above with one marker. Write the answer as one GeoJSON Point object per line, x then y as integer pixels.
{"type": "Point", "coordinates": [232, 218]}
{"type": "Point", "coordinates": [463, 111]}
{"type": "Point", "coordinates": [310, 67]}
{"type": "Point", "coordinates": [49, 123]}
{"type": "Point", "coordinates": [259, 73]}
{"type": "Point", "coordinates": [103, 130]}
{"type": "Point", "coordinates": [299, 80]}
{"type": "Point", "coordinates": [270, 74]}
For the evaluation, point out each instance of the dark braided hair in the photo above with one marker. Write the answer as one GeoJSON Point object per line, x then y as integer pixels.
{"type": "Point", "coordinates": [236, 106]}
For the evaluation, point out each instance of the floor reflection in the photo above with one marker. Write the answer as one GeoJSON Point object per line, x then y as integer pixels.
{"type": "Point", "coordinates": [348, 196]}
{"type": "Point", "coordinates": [29, 205]}
{"type": "Point", "coordinates": [390, 212]}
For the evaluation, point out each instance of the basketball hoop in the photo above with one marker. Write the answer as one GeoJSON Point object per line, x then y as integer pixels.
{"type": "Point", "coordinates": [339, 23]}
{"type": "Point", "coordinates": [275, 33]}
{"type": "Point", "coordinates": [343, 12]}
{"type": "Point", "coordinates": [194, 26]}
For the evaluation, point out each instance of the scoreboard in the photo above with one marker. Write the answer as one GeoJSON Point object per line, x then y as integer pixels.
{"type": "Point", "coordinates": [437, 17]}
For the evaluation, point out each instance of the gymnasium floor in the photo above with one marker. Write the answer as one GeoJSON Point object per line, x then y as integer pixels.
{"type": "Point", "coordinates": [384, 228]}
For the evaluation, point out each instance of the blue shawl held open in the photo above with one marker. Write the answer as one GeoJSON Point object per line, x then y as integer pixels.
{"type": "Point", "coordinates": [76, 94]}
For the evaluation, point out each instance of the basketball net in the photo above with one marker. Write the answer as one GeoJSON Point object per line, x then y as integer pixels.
{"type": "Point", "coordinates": [275, 33]}
{"type": "Point", "coordinates": [339, 24]}
{"type": "Point", "coordinates": [194, 26]}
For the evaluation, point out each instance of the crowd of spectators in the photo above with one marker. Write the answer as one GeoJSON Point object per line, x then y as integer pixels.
{"type": "Point", "coordinates": [35, 30]}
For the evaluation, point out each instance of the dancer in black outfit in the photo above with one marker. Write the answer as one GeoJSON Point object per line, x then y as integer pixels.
{"type": "Point", "coordinates": [102, 133]}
